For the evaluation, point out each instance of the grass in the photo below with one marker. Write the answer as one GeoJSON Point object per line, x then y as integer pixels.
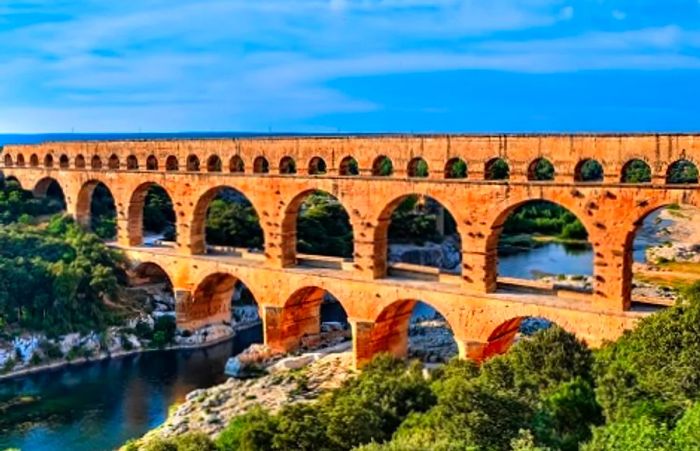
{"type": "Point", "coordinates": [685, 267]}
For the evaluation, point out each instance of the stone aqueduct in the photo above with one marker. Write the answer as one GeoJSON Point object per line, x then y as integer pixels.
{"type": "Point", "coordinates": [377, 299]}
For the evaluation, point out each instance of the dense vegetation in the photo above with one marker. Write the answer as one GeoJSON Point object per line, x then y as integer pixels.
{"type": "Point", "coordinates": [549, 392]}
{"type": "Point", "coordinates": [545, 218]}
{"type": "Point", "coordinates": [17, 204]}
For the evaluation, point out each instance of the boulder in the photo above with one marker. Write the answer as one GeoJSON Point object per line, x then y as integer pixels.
{"type": "Point", "coordinates": [293, 363]}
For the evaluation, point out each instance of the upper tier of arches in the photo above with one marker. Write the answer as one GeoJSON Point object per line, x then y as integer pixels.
{"type": "Point", "coordinates": [559, 159]}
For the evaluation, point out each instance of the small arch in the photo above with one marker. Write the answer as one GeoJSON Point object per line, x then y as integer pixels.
{"type": "Point", "coordinates": [288, 165]}
{"type": "Point", "coordinates": [96, 163]}
{"type": "Point", "coordinates": [317, 166]}
{"type": "Point", "coordinates": [34, 160]}
{"type": "Point", "coordinates": [636, 171]}
{"type": "Point", "coordinates": [214, 164]}
{"type": "Point", "coordinates": [496, 169]}
{"type": "Point", "coordinates": [171, 163]}
{"type": "Point", "coordinates": [418, 167]}
{"type": "Point", "coordinates": [113, 162]}
{"type": "Point", "coordinates": [63, 162]}
{"type": "Point", "coordinates": [8, 160]}
{"type": "Point", "coordinates": [261, 165]}
{"type": "Point", "coordinates": [80, 162]}
{"type": "Point", "coordinates": [682, 172]}
{"type": "Point", "coordinates": [540, 170]}
{"type": "Point", "coordinates": [192, 163]}
{"type": "Point", "coordinates": [152, 163]}
{"type": "Point", "coordinates": [48, 161]}
{"type": "Point", "coordinates": [382, 166]}
{"type": "Point", "coordinates": [236, 165]}
{"type": "Point", "coordinates": [132, 163]}
{"type": "Point", "coordinates": [456, 168]}
{"type": "Point", "coordinates": [588, 170]}
{"type": "Point", "coordinates": [349, 166]}
{"type": "Point", "coordinates": [20, 160]}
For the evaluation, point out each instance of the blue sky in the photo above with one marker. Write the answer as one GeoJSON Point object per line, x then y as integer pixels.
{"type": "Point", "coordinates": [349, 65]}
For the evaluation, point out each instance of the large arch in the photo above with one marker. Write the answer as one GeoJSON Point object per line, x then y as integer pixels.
{"type": "Point", "coordinates": [198, 228]}
{"type": "Point", "coordinates": [97, 212]}
{"type": "Point", "coordinates": [505, 335]}
{"type": "Point", "coordinates": [575, 233]}
{"type": "Point", "coordinates": [301, 317]}
{"type": "Point", "coordinates": [50, 188]}
{"type": "Point", "coordinates": [410, 222]}
{"type": "Point", "coordinates": [327, 213]}
{"type": "Point", "coordinates": [143, 198]}
{"type": "Point", "coordinates": [392, 328]}
{"type": "Point", "coordinates": [156, 283]}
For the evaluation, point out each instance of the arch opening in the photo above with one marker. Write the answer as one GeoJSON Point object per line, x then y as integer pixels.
{"type": "Point", "coordinates": [317, 166]}
{"type": "Point", "coordinates": [348, 166]}
{"type": "Point", "coordinates": [96, 162]}
{"type": "Point", "coordinates": [382, 167]}
{"type": "Point", "coordinates": [261, 165]}
{"type": "Point", "coordinates": [48, 161]}
{"type": "Point", "coordinates": [318, 224]}
{"type": "Point", "coordinates": [311, 318]}
{"type": "Point", "coordinates": [456, 168]}
{"type": "Point", "coordinates": [113, 162]}
{"type": "Point", "coordinates": [418, 167]}
{"type": "Point", "coordinates": [132, 163]}
{"type": "Point", "coordinates": [496, 169]}
{"type": "Point", "coordinates": [171, 163]}
{"type": "Point", "coordinates": [20, 160]}
{"type": "Point", "coordinates": [588, 170]}
{"type": "Point", "coordinates": [236, 165]}
{"type": "Point", "coordinates": [214, 164]}
{"type": "Point", "coordinates": [422, 238]}
{"type": "Point", "coordinates": [97, 210]}
{"type": "Point", "coordinates": [8, 160]}
{"type": "Point", "coordinates": [636, 171]}
{"type": "Point", "coordinates": [225, 222]}
{"type": "Point", "coordinates": [152, 163]}
{"type": "Point", "coordinates": [540, 170]}
{"type": "Point", "coordinates": [221, 305]}
{"type": "Point", "coordinates": [288, 165]}
{"type": "Point", "coordinates": [80, 162]}
{"type": "Point", "coordinates": [682, 172]}
{"type": "Point", "coordinates": [544, 242]}
{"type": "Point", "coordinates": [63, 162]}
{"type": "Point", "coordinates": [509, 332]}
{"type": "Point", "coordinates": [414, 329]}
{"type": "Point", "coordinates": [49, 190]}
{"type": "Point", "coordinates": [193, 163]}
{"type": "Point", "coordinates": [152, 218]}
{"type": "Point", "coordinates": [151, 287]}
{"type": "Point", "coordinates": [34, 160]}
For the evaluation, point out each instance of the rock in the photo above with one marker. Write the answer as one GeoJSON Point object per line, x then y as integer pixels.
{"type": "Point", "coordinates": [293, 363]}
{"type": "Point", "coordinates": [234, 367]}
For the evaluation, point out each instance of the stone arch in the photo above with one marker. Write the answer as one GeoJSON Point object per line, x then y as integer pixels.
{"type": "Point", "coordinates": [390, 331]}
{"type": "Point", "coordinates": [317, 166]}
{"type": "Point", "coordinates": [288, 165]}
{"type": "Point", "coordinates": [588, 170]}
{"type": "Point", "coordinates": [421, 203]}
{"type": "Point", "coordinates": [261, 165]}
{"type": "Point", "coordinates": [299, 322]}
{"type": "Point", "coordinates": [236, 165]}
{"type": "Point", "coordinates": [63, 162]}
{"type": "Point", "coordinates": [636, 170]}
{"type": "Point", "coordinates": [146, 272]}
{"type": "Point", "coordinates": [456, 168]}
{"type": "Point", "coordinates": [210, 302]}
{"type": "Point", "coordinates": [193, 163]}
{"type": "Point", "coordinates": [48, 161]}
{"type": "Point", "coordinates": [292, 236]}
{"type": "Point", "coordinates": [348, 166]}
{"type": "Point", "coordinates": [504, 335]}
{"type": "Point", "coordinates": [34, 160]}
{"type": "Point", "coordinates": [214, 164]}
{"type": "Point", "coordinates": [8, 160]}
{"type": "Point", "coordinates": [541, 169]}
{"type": "Point", "coordinates": [113, 162]}
{"type": "Point", "coordinates": [96, 162]}
{"type": "Point", "coordinates": [80, 162]}
{"type": "Point", "coordinates": [152, 163]}
{"type": "Point", "coordinates": [418, 167]}
{"type": "Point", "coordinates": [132, 163]}
{"type": "Point", "coordinates": [84, 205]}
{"type": "Point", "coordinates": [49, 187]}
{"type": "Point", "coordinates": [496, 169]}
{"type": "Point", "coordinates": [682, 172]}
{"type": "Point", "coordinates": [198, 243]}
{"type": "Point", "coordinates": [135, 212]}
{"type": "Point", "coordinates": [382, 166]}
{"type": "Point", "coordinates": [20, 160]}
{"type": "Point", "coordinates": [498, 221]}
{"type": "Point", "coordinates": [171, 163]}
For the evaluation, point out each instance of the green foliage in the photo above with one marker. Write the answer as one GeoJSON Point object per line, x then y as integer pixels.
{"type": "Point", "coordinates": [636, 171]}
{"type": "Point", "coordinates": [158, 213]}
{"type": "Point", "coordinates": [323, 227]}
{"type": "Point", "coordinates": [634, 434]}
{"type": "Point", "coordinates": [543, 170]}
{"type": "Point", "coordinates": [457, 170]}
{"type": "Point", "coordinates": [590, 171]}
{"type": "Point", "coordinates": [59, 268]}
{"type": "Point", "coordinates": [414, 222]}
{"type": "Point", "coordinates": [497, 170]}
{"type": "Point", "coordinates": [16, 203]}
{"type": "Point", "coordinates": [103, 213]}
{"type": "Point", "coordinates": [233, 222]}
{"type": "Point", "coordinates": [682, 171]}
{"type": "Point", "coordinates": [545, 218]}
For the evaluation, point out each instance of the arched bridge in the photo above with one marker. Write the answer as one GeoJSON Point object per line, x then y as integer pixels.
{"type": "Point", "coordinates": [275, 174]}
